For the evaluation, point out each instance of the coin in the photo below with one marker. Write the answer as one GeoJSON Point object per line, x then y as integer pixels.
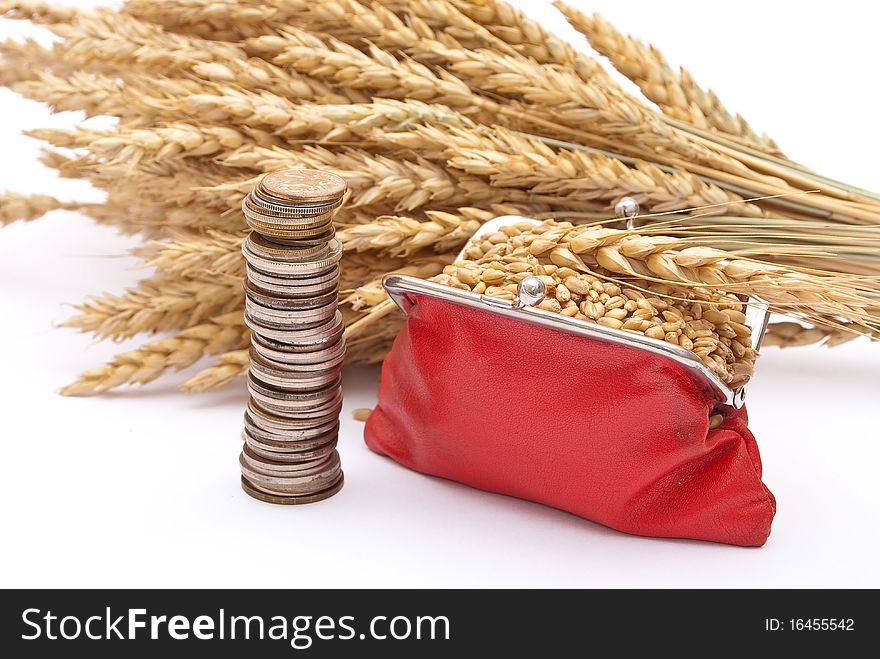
{"type": "Point", "coordinates": [303, 186]}
{"type": "Point", "coordinates": [292, 452]}
{"type": "Point", "coordinates": [292, 500]}
{"type": "Point", "coordinates": [294, 428]}
{"type": "Point", "coordinates": [299, 337]}
{"type": "Point", "coordinates": [268, 249]}
{"type": "Point", "coordinates": [268, 280]}
{"type": "Point", "coordinates": [285, 455]}
{"type": "Point", "coordinates": [284, 236]}
{"type": "Point", "coordinates": [283, 441]}
{"type": "Point", "coordinates": [259, 203]}
{"type": "Point", "coordinates": [289, 303]}
{"type": "Point", "coordinates": [315, 477]}
{"type": "Point", "coordinates": [301, 215]}
{"type": "Point", "coordinates": [304, 267]}
{"type": "Point", "coordinates": [311, 399]}
{"type": "Point", "coordinates": [271, 466]}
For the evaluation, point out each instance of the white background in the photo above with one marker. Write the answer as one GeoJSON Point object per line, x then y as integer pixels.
{"type": "Point", "coordinates": [139, 488]}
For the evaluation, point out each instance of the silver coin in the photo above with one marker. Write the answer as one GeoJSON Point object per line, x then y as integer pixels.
{"type": "Point", "coordinates": [293, 238]}
{"type": "Point", "coordinates": [279, 468]}
{"type": "Point", "coordinates": [292, 457]}
{"type": "Point", "coordinates": [329, 276]}
{"type": "Point", "coordinates": [288, 303]}
{"type": "Point", "coordinates": [284, 287]}
{"type": "Point", "coordinates": [310, 267]}
{"type": "Point", "coordinates": [265, 248]}
{"type": "Point", "coordinates": [306, 449]}
{"type": "Point", "coordinates": [294, 419]}
{"type": "Point", "coordinates": [293, 376]}
{"type": "Point", "coordinates": [305, 338]}
{"type": "Point", "coordinates": [291, 291]}
{"type": "Point", "coordinates": [283, 405]}
{"type": "Point", "coordinates": [294, 344]}
{"type": "Point", "coordinates": [323, 379]}
{"type": "Point", "coordinates": [274, 206]}
{"type": "Point", "coordinates": [296, 428]}
{"type": "Point", "coordinates": [315, 477]}
{"type": "Point", "coordinates": [313, 397]}
{"type": "Point", "coordinates": [330, 356]}
{"type": "Point", "coordinates": [277, 489]}
{"type": "Point", "coordinates": [316, 217]}
{"type": "Point", "coordinates": [296, 412]}
{"type": "Point", "coordinates": [289, 319]}
{"type": "Point", "coordinates": [308, 401]}
{"type": "Point", "coordinates": [287, 440]}
{"type": "Point", "coordinates": [305, 365]}
{"type": "Point", "coordinates": [289, 216]}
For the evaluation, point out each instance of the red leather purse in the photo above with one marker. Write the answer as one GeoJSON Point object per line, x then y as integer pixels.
{"type": "Point", "coordinates": [599, 422]}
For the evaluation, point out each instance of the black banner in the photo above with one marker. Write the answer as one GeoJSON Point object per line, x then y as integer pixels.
{"type": "Point", "coordinates": [317, 623]}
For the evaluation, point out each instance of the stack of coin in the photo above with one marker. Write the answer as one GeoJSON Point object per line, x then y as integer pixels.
{"type": "Point", "coordinates": [297, 348]}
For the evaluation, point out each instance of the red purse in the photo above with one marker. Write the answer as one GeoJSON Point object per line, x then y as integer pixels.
{"type": "Point", "coordinates": [599, 422]}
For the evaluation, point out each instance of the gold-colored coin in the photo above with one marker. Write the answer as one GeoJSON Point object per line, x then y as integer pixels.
{"type": "Point", "coordinates": [298, 186]}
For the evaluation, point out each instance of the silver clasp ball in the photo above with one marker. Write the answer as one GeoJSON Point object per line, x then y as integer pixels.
{"type": "Point", "coordinates": [627, 208]}
{"type": "Point", "coordinates": [530, 292]}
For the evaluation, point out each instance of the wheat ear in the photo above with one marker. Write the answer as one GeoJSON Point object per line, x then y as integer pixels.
{"type": "Point", "coordinates": [15, 207]}
{"type": "Point", "coordinates": [517, 160]}
{"type": "Point", "coordinates": [215, 254]}
{"type": "Point", "coordinates": [217, 20]}
{"type": "Point", "coordinates": [678, 95]}
{"type": "Point", "coordinates": [814, 295]}
{"type": "Point", "coordinates": [221, 334]}
{"type": "Point", "coordinates": [398, 236]}
{"type": "Point", "coordinates": [156, 305]}
{"type": "Point", "coordinates": [225, 368]}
